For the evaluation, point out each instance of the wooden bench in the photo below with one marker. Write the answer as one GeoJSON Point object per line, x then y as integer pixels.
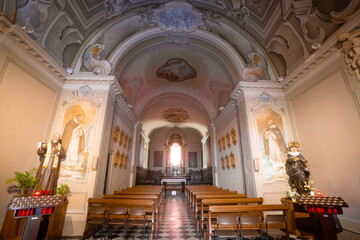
{"type": "Point", "coordinates": [213, 192]}
{"type": "Point", "coordinates": [155, 198]}
{"type": "Point", "coordinates": [239, 210]}
{"type": "Point", "coordinates": [148, 205]}
{"type": "Point", "coordinates": [199, 197]}
{"type": "Point", "coordinates": [190, 189]}
{"type": "Point", "coordinates": [159, 193]}
{"type": "Point", "coordinates": [205, 203]}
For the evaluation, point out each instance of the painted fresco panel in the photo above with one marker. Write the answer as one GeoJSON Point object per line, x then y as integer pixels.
{"type": "Point", "coordinates": [272, 143]}
{"type": "Point", "coordinates": [77, 137]}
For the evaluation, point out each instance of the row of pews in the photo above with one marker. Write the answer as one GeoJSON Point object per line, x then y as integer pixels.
{"type": "Point", "coordinates": [145, 197]}
{"type": "Point", "coordinates": [207, 203]}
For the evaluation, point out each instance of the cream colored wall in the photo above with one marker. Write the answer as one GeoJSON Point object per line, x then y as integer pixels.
{"type": "Point", "coordinates": [27, 103]}
{"type": "Point", "coordinates": [328, 126]}
{"type": "Point", "coordinates": [119, 176]}
{"type": "Point", "coordinates": [230, 178]}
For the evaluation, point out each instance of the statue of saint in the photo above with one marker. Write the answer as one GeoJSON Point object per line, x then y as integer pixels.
{"type": "Point", "coordinates": [297, 169]}
{"type": "Point", "coordinates": [51, 154]}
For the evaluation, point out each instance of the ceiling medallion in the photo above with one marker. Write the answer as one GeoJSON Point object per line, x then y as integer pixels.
{"type": "Point", "coordinates": [177, 16]}
{"type": "Point", "coordinates": [176, 70]}
{"type": "Point", "coordinates": [175, 115]}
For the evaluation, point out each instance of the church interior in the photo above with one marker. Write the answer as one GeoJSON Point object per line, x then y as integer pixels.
{"type": "Point", "coordinates": [182, 94]}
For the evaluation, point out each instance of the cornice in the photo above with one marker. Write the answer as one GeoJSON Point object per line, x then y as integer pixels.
{"type": "Point", "coordinates": [114, 89]}
{"type": "Point", "coordinates": [327, 49]}
{"type": "Point", "coordinates": [16, 34]}
{"type": "Point", "coordinates": [90, 78]}
{"type": "Point", "coordinates": [235, 97]}
{"type": "Point", "coordinates": [262, 85]}
{"type": "Point", "coordinates": [124, 107]}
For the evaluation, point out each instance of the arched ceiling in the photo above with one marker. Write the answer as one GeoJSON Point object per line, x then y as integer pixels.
{"type": "Point", "coordinates": [179, 57]}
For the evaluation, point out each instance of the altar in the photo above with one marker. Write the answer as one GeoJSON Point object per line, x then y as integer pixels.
{"type": "Point", "coordinates": [175, 183]}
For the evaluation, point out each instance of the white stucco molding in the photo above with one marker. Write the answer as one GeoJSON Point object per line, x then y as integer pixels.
{"type": "Point", "coordinates": [237, 95]}
{"type": "Point", "coordinates": [44, 61]}
{"type": "Point", "coordinates": [325, 51]}
{"type": "Point", "coordinates": [105, 82]}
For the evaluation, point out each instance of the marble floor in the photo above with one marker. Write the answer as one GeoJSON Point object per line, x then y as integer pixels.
{"type": "Point", "coordinates": [175, 223]}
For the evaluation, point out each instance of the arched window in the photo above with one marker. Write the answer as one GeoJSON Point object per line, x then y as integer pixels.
{"type": "Point", "coordinates": [175, 154]}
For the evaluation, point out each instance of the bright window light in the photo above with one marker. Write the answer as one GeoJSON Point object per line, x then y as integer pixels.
{"type": "Point", "coordinates": [175, 154]}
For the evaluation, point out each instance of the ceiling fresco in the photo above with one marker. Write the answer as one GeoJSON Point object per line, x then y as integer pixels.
{"type": "Point", "coordinates": [196, 49]}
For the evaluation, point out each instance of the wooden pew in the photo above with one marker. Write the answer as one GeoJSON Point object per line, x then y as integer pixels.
{"type": "Point", "coordinates": [191, 188]}
{"type": "Point", "coordinates": [199, 197]}
{"type": "Point", "coordinates": [213, 192]}
{"type": "Point", "coordinates": [205, 203]}
{"type": "Point", "coordinates": [130, 191]}
{"type": "Point", "coordinates": [239, 210]}
{"type": "Point", "coordinates": [155, 198]}
{"type": "Point", "coordinates": [148, 205]}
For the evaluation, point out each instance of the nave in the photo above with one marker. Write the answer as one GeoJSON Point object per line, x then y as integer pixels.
{"type": "Point", "coordinates": [175, 216]}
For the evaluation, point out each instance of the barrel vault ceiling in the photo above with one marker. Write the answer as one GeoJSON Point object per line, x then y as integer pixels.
{"type": "Point", "coordinates": [180, 73]}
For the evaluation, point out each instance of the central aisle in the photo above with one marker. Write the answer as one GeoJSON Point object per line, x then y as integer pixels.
{"type": "Point", "coordinates": [175, 220]}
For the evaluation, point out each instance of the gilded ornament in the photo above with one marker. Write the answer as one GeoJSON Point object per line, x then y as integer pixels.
{"type": "Point", "coordinates": [227, 159]}
{"type": "Point", "coordinates": [232, 158]}
{"type": "Point", "coordinates": [223, 162]}
{"type": "Point", "coordinates": [116, 158]}
{"type": "Point", "coordinates": [223, 143]}
{"type": "Point", "coordinates": [121, 138]}
{"type": "Point", "coordinates": [125, 160]}
{"type": "Point", "coordinates": [219, 143]}
{"type": "Point", "coordinates": [234, 136]}
{"type": "Point", "coordinates": [228, 140]}
{"type": "Point", "coordinates": [116, 133]}
{"type": "Point", "coordinates": [121, 163]}
{"type": "Point", "coordinates": [125, 141]}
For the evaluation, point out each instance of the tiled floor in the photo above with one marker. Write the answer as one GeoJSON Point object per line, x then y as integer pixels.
{"type": "Point", "coordinates": [175, 222]}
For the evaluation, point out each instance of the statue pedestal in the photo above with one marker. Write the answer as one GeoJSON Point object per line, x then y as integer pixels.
{"type": "Point", "coordinates": [51, 226]}
{"type": "Point", "coordinates": [298, 220]}
{"type": "Point", "coordinates": [312, 219]}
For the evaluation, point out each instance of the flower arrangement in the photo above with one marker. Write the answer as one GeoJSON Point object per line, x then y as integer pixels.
{"type": "Point", "coordinates": [291, 194]}
{"type": "Point", "coordinates": [63, 189]}
{"type": "Point", "coordinates": [310, 187]}
{"type": "Point", "coordinates": [26, 182]}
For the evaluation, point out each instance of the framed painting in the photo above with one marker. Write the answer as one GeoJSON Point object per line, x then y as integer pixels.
{"type": "Point", "coordinates": [158, 158]}
{"type": "Point", "coordinates": [192, 158]}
